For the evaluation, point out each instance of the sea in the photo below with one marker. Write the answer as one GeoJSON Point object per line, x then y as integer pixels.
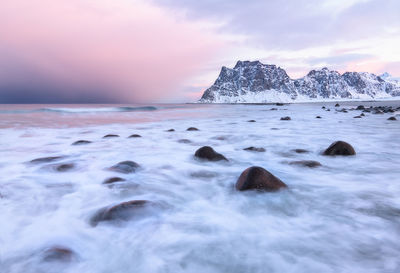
{"type": "Point", "coordinates": [342, 216]}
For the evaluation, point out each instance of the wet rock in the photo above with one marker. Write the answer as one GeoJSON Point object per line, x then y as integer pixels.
{"type": "Point", "coordinates": [81, 142]}
{"type": "Point", "coordinates": [323, 107]}
{"type": "Point", "coordinates": [279, 104]}
{"type": "Point", "coordinates": [366, 111]}
{"type": "Point", "coordinates": [337, 105]}
{"type": "Point", "coordinates": [64, 167]}
{"type": "Point", "coordinates": [360, 107]}
{"type": "Point", "coordinates": [134, 136]}
{"type": "Point", "coordinates": [184, 140]}
{"type": "Point", "coordinates": [285, 118]}
{"type": "Point", "coordinates": [362, 115]}
{"type": "Point", "coordinates": [46, 159]}
{"type": "Point", "coordinates": [110, 136]}
{"type": "Point", "coordinates": [59, 254]}
{"type": "Point", "coordinates": [192, 129]}
{"type": "Point", "coordinates": [392, 118]}
{"type": "Point", "coordinates": [339, 148]}
{"type": "Point", "coordinates": [254, 149]}
{"type": "Point", "coordinates": [328, 110]}
{"type": "Point", "coordinates": [318, 117]}
{"type": "Point", "coordinates": [125, 167]}
{"type": "Point", "coordinates": [123, 211]}
{"type": "Point", "coordinates": [252, 120]}
{"type": "Point", "coordinates": [273, 109]}
{"type": "Point", "coordinates": [306, 163]}
{"type": "Point", "coordinates": [171, 130]}
{"type": "Point", "coordinates": [113, 180]}
{"type": "Point", "coordinates": [257, 178]}
{"type": "Point", "coordinates": [300, 151]}
{"type": "Point", "coordinates": [208, 153]}
{"type": "Point", "coordinates": [377, 112]}
{"type": "Point", "coordinates": [357, 116]}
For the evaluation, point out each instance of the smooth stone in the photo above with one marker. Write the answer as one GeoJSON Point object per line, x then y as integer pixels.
{"type": "Point", "coordinates": [123, 211]}
{"type": "Point", "coordinates": [254, 149]}
{"type": "Point", "coordinates": [306, 163]}
{"type": "Point", "coordinates": [113, 180]}
{"type": "Point", "coordinates": [46, 159]}
{"type": "Point", "coordinates": [257, 178]}
{"type": "Point", "coordinates": [300, 151]}
{"type": "Point", "coordinates": [110, 135]}
{"type": "Point", "coordinates": [340, 148]}
{"type": "Point", "coordinates": [192, 129]}
{"type": "Point", "coordinates": [392, 118]}
{"type": "Point", "coordinates": [208, 153]}
{"type": "Point", "coordinates": [125, 167]}
{"type": "Point", "coordinates": [58, 253]}
{"type": "Point", "coordinates": [285, 118]}
{"type": "Point", "coordinates": [81, 142]}
{"type": "Point", "coordinates": [134, 136]}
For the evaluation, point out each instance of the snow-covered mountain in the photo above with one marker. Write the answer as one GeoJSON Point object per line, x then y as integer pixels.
{"type": "Point", "coordinates": [254, 82]}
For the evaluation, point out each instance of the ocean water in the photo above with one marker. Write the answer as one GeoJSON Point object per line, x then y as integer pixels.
{"type": "Point", "coordinates": [341, 217]}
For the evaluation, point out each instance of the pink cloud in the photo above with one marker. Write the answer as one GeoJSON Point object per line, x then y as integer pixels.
{"type": "Point", "coordinates": [135, 50]}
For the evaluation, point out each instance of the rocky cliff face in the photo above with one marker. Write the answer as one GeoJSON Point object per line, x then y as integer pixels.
{"type": "Point", "coordinates": [256, 82]}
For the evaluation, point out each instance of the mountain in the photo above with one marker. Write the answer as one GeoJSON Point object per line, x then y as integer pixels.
{"type": "Point", "coordinates": [255, 82]}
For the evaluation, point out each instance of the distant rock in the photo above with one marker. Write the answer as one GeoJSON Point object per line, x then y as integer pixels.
{"type": "Point", "coordinates": [125, 167]}
{"type": "Point", "coordinates": [171, 130]}
{"type": "Point", "coordinates": [110, 136]}
{"type": "Point", "coordinates": [252, 120]}
{"type": "Point", "coordinates": [46, 159]}
{"type": "Point", "coordinates": [64, 167]}
{"type": "Point", "coordinates": [254, 149]}
{"type": "Point", "coordinates": [300, 151]}
{"type": "Point", "coordinates": [392, 118]}
{"type": "Point", "coordinates": [134, 136]}
{"type": "Point", "coordinates": [192, 129]}
{"type": "Point", "coordinates": [318, 117]}
{"type": "Point", "coordinates": [208, 153]}
{"type": "Point", "coordinates": [339, 148]}
{"type": "Point", "coordinates": [357, 116]}
{"type": "Point", "coordinates": [337, 105]}
{"type": "Point", "coordinates": [306, 163]}
{"type": "Point", "coordinates": [257, 178]}
{"type": "Point", "coordinates": [81, 142]}
{"type": "Point", "coordinates": [113, 180]}
{"type": "Point", "coordinates": [285, 118]}
{"type": "Point", "coordinates": [58, 254]}
{"type": "Point", "coordinates": [184, 140]}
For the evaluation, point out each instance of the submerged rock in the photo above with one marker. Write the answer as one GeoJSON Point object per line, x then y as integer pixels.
{"type": "Point", "coordinates": [64, 167]}
{"type": "Point", "coordinates": [123, 211]}
{"type": "Point", "coordinates": [306, 163]}
{"type": "Point", "coordinates": [340, 148]}
{"type": "Point", "coordinates": [208, 153]}
{"type": "Point", "coordinates": [81, 142]}
{"type": "Point", "coordinates": [184, 140]}
{"type": "Point", "coordinates": [285, 118]}
{"type": "Point", "coordinates": [110, 136]}
{"type": "Point", "coordinates": [252, 120]}
{"type": "Point", "coordinates": [58, 253]}
{"type": "Point", "coordinates": [192, 129]}
{"type": "Point", "coordinates": [254, 149]}
{"type": "Point", "coordinates": [113, 180]}
{"type": "Point", "coordinates": [300, 151]}
{"type": "Point", "coordinates": [46, 159]}
{"type": "Point", "coordinates": [318, 117]}
{"type": "Point", "coordinates": [125, 167]}
{"type": "Point", "coordinates": [134, 136]}
{"type": "Point", "coordinates": [171, 130]}
{"type": "Point", "coordinates": [257, 178]}
{"type": "Point", "coordinates": [357, 116]}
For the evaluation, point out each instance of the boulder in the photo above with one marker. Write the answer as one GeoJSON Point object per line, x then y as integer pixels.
{"type": "Point", "coordinates": [318, 117]}
{"type": "Point", "coordinates": [171, 130]}
{"type": "Point", "coordinates": [113, 180]}
{"type": "Point", "coordinates": [392, 118]}
{"type": "Point", "coordinates": [192, 129]}
{"type": "Point", "coordinates": [360, 107]}
{"type": "Point", "coordinates": [285, 118]}
{"type": "Point", "coordinates": [337, 105]}
{"type": "Point", "coordinates": [81, 142]}
{"type": "Point", "coordinates": [257, 178]}
{"type": "Point", "coordinates": [110, 136]}
{"type": "Point", "coordinates": [134, 136]}
{"type": "Point", "coordinates": [340, 148]}
{"type": "Point", "coordinates": [125, 167]}
{"type": "Point", "coordinates": [208, 153]}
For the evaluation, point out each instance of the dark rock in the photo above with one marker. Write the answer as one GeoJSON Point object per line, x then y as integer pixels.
{"type": "Point", "coordinates": [357, 116]}
{"type": "Point", "coordinates": [285, 118]}
{"type": "Point", "coordinates": [340, 148]}
{"type": "Point", "coordinates": [59, 254]}
{"type": "Point", "coordinates": [257, 178]}
{"type": "Point", "coordinates": [318, 117]}
{"type": "Point", "coordinates": [125, 167]}
{"type": "Point", "coordinates": [134, 136]}
{"type": "Point", "coordinates": [254, 149]}
{"type": "Point", "coordinates": [252, 120]}
{"type": "Point", "coordinates": [192, 129]}
{"type": "Point", "coordinates": [110, 135]}
{"type": "Point", "coordinates": [208, 153]}
{"type": "Point", "coordinates": [377, 112]}
{"type": "Point", "coordinates": [171, 130]}
{"type": "Point", "coordinates": [360, 107]}
{"type": "Point", "coordinates": [113, 180]}
{"type": "Point", "coordinates": [203, 174]}
{"type": "Point", "coordinates": [392, 118]}
{"type": "Point", "coordinates": [46, 159]}
{"type": "Point", "coordinates": [123, 211]}
{"type": "Point", "coordinates": [184, 140]}
{"type": "Point", "coordinates": [81, 142]}
{"type": "Point", "coordinates": [64, 167]}
{"type": "Point", "coordinates": [273, 109]}
{"type": "Point", "coordinates": [362, 115]}
{"type": "Point", "coordinates": [301, 151]}
{"type": "Point", "coordinates": [306, 163]}
{"type": "Point", "coordinates": [366, 110]}
{"type": "Point", "coordinates": [279, 104]}
{"type": "Point", "coordinates": [337, 105]}
{"type": "Point", "coordinates": [328, 110]}
{"type": "Point", "coordinates": [323, 107]}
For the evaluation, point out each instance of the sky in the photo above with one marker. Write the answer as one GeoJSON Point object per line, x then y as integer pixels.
{"type": "Point", "coordinates": [137, 51]}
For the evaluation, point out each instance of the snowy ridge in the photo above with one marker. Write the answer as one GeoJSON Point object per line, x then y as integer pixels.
{"type": "Point", "coordinates": [254, 82]}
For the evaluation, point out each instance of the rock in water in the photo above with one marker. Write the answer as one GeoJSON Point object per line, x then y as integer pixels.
{"type": "Point", "coordinates": [110, 135]}
{"type": "Point", "coordinates": [58, 253]}
{"type": "Point", "coordinates": [171, 130]}
{"type": "Point", "coordinates": [252, 120]}
{"type": "Point", "coordinates": [134, 136]}
{"type": "Point", "coordinates": [300, 151]}
{"type": "Point", "coordinates": [208, 153]}
{"type": "Point", "coordinates": [340, 148]}
{"type": "Point", "coordinates": [64, 167]}
{"type": "Point", "coordinates": [192, 129]}
{"type": "Point", "coordinates": [81, 142]}
{"type": "Point", "coordinates": [392, 118]}
{"type": "Point", "coordinates": [123, 211]}
{"type": "Point", "coordinates": [113, 180]}
{"type": "Point", "coordinates": [125, 167]}
{"type": "Point", "coordinates": [46, 159]}
{"type": "Point", "coordinates": [306, 163]}
{"type": "Point", "coordinates": [254, 149]}
{"type": "Point", "coordinates": [257, 178]}
{"type": "Point", "coordinates": [285, 118]}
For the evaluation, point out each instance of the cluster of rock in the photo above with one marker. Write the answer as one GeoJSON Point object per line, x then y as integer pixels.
{"type": "Point", "coordinates": [255, 82]}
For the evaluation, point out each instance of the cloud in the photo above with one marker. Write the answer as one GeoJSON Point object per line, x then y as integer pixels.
{"type": "Point", "coordinates": [96, 51]}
